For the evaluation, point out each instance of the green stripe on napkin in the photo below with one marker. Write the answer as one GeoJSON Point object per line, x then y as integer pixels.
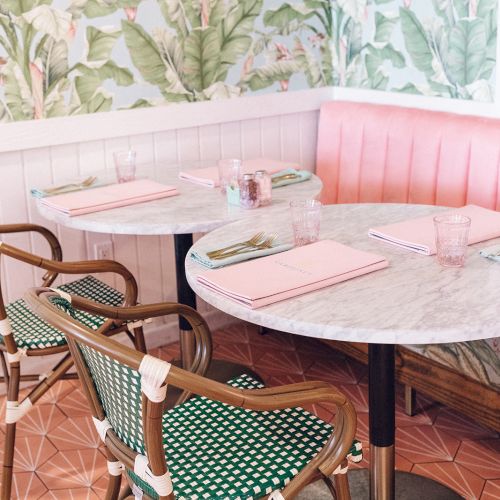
{"type": "Point", "coordinates": [201, 256]}
{"type": "Point", "coordinates": [303, 175]}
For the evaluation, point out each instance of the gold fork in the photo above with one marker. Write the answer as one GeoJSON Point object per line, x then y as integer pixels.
{"type": "Point", "coordinates": [254, 240]}
{"type": "Point", "coordinates": [79, 185]}
{"type": "Point", "coordinates": [267, 243]}
{"type": "Point", "coordinates": [284, 177]}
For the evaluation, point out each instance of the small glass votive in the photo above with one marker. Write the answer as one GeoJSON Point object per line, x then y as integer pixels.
{"type": "Point", "coordinates": [229, 173]}
{"type": "Point", "coordinates": [125, 165]}
{"type": "Point", "coordinates": [306, 217]}
{"type": "Point", "coordinates": [452, 235]}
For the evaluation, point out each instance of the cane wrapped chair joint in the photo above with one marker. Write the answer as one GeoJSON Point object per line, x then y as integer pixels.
{"type": "Point", "coordinates": [23, 333]}
{"type": "Point", "coordinates": [235, 441]}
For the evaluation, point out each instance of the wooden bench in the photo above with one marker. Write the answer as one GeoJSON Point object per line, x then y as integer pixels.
{"type": "Point", "coordinates": [371, 154]}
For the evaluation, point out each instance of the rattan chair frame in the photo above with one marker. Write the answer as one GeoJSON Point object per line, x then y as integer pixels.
{"type": "Point", "coordinates": [12, 371]}
{"type": "Point", "coordinates": [322, 466]}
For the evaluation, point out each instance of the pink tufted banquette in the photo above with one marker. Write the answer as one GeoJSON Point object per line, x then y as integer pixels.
{"type": "Point", "coordinates": [378, 153]}
{"type": "Point", "coordinates": [374, 153]}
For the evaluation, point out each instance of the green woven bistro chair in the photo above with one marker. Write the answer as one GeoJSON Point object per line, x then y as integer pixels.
{"type": "Point", "coordinates": [234, 441]}
{"type": "Point", "coordinates": [22, 333]}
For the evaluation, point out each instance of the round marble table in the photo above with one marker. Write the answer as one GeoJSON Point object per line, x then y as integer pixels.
{"type": "Point", "coordinates": [197, 209]}
{"type": "Point", "coordinates": [413, 301]}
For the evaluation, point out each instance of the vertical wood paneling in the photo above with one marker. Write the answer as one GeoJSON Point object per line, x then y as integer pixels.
{"type": "Point", "coordinates": [150, 259]}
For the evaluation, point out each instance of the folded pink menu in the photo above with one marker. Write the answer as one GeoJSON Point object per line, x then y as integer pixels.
{"type": "Point", "coordinates": [418, 236]}
{"type": "Point", "coordinates": [291, 273]}
{"type": "Point", "coordinates": [209, 176]}
{"type": "Point", "coordinates": [110, 196]}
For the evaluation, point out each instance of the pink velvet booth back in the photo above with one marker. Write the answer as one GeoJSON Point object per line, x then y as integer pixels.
{"type": "Point", "coordinates": [374, 153]}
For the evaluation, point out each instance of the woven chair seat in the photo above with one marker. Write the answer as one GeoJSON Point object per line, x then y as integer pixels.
{"type": "Point", "coordinates": [31, 332]}
{"type": "Point", "coordinates": [217, 451]}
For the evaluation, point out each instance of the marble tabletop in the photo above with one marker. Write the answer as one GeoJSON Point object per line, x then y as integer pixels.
{"type": "Point", "coordinates": [413, 301]}
{"type": "Point", "coordinates": [197, 209]}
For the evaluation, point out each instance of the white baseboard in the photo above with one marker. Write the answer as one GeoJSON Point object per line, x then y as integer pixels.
{"type": "Point", "coordinates": [156, 335]}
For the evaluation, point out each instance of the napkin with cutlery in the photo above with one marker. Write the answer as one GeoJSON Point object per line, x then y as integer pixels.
{"type": "Point", "coordinates": [200, 256]}
{"type": "Point", "coordinates": [79, 184]}
{"type": "Point", "coordinates": [289, 176]}
{"type": "Point", "coordinates": [492, 253]}
{"type": "Point", "coordinates": [418, 236]}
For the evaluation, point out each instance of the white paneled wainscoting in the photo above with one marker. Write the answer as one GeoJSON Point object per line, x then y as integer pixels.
{"type": "Point", "coordinates": [288, 136]}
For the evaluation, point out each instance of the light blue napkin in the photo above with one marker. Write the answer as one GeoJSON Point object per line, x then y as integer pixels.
{"type": "Point", "coordinates": [492, 253]}
{"type": "Point", "coordinates": [303, 175]}
{"type": "Point", "coordinates": [202, 258]}
{"type": "Point", "coordinates": [42, 193]}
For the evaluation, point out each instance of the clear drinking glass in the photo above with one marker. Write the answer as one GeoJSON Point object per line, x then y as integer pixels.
{"type": "Point", "coordinates": [229, 170]}
{"type": "Point", "coordinates": [125, 165]}
{"type": "Point", "coordinates": [306, 217]}
{"type": "Point", "coordinates": [452, 235]}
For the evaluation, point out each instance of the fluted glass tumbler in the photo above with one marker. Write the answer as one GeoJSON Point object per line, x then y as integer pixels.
{"type": "Point", "coordinates": [452, 236]}
{"type": "Point", "coordinates": [306, 218]}
{"type": "Point", "coordinates": [125, 165]}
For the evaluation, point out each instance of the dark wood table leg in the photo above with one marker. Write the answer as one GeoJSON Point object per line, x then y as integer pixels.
{"type": "Point", "coordinates": [382, 420]}
{"type": "Point", "coordinates": [219, 370]}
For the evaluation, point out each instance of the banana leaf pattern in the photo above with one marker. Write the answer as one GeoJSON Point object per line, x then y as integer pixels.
{"type": "Point", "coordinates": [67, 57]}
{"type": "Point", "coordinates": [478, 359]}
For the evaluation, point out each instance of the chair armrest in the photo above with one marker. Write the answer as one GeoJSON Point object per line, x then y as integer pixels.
{"type": "Point", "coordinates": [77, 267]}
{"type": "Point", "coordinates": [50, 237]}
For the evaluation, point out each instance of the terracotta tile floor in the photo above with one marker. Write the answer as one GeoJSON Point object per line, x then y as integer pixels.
{"type": "Point", "coordinates": [59, 455]}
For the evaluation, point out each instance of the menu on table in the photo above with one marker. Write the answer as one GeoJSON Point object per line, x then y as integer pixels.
{"type": "Point", "coordinates": [291, 273]}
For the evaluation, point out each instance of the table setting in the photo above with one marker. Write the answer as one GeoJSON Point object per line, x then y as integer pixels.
{"type": "Point", "coordinates": [420, 284]}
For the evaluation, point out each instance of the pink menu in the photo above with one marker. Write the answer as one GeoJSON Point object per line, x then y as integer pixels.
{"type": "Point", "coordinates": [110, 196]}
{"type": "Point", "coordinates": [287, 274]}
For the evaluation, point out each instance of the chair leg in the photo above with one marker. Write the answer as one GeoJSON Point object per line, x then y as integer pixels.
{"type": "Point", "coordinates": [410, 400]}
{"type": "Point", "coordinates": [139, 340]}
{"type": "Point", "coordinates": [114, 481]}
{"type": "Point", "coordinates": [5, 370]}
{"type": "Point", "coordinates": [10, 434]}
{"type": "Point", "coordinates": [339, 486]}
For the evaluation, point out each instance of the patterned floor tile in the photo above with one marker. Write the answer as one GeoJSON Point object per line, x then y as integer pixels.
{"type": "Point", "coordinates": [491, 490]}
{"type": "Point", "coordinates": [457, 424]}
{"type": "Point", "coordinates": [481, 457]}
{"type": "Point", "coordinates": [74, 494]}
{"type": "Point", "coordinates": [358, 394]}
{"type": "Point", "coordinates": [239, 353]}
{"type": "Point", "coordinates": [40, 420]}
{"type": "Point", "coordinates": [76, 433]}
{"type": "Point", "coordinates": [27, 486]}
{"type": "Point", "coordinates": [272, 340]}
{"type": "Point", "coordinates": [275, 362]}
{"type": "Point", "coordinates": [234, 334]}
{"type": "Point", "coordinates": [424, 443]}
{"type": "Point", "coordinates": [73, 469]}
{"type": "Point", "coordinates": [337, 371]}
{"type": "Point", "coordinates": [57, 392]}
{"type": "Point", "coordinates": [456, 477]}
{"type": "Point", "coordinates": [75, 404]}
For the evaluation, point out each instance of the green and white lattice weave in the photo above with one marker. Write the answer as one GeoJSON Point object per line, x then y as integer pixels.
{"type": "Point", "coordinates": [216, 451]}
{"type": "Point", "coordinates": [31, 332]}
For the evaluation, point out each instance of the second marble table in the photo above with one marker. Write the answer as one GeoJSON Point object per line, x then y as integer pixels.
{"type": "Point", "coordinates": [197, 209]}
{"type": "Point", "coordinates": [413, 301]}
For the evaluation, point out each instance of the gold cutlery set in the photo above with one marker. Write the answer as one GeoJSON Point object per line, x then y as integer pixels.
{"type": "Point", "coordinates": [73, 187]}
{"type": "Point", "coordinates": [259, 241]}
{"type": "Point", "coordinates": [284, 177]}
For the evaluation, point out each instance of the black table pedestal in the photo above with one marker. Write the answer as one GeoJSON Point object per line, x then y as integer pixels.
{"type": "Point", "coordinates": [219, 370]}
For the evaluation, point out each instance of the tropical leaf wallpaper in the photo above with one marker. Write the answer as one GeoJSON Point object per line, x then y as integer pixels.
{"type": "Point", "coordinates": [68, 57]}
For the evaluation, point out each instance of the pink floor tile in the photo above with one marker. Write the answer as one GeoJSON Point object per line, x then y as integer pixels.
{"type": "Point", "coordinates": [232, 335]}
{"type": "Point", "coordinates": [456, 477]}
{"type": "Point", "coordinates": [239, 353]}
{"type": "Point", "coordinates": [358, 394]}
{"type": "Point", "coordinates": [73, 469]}
{"type": "Point", "coordinates": [337, 371]}
{"type": "Point", "coordinates": [40, 420]}
{"type": "Point", "coordinates": [457, 424]}
{"type": "Point", "coordinates": [481, 457]}
{"type": "Point", "coordinates": [275, 362]}
{"type": "Point", "coordinates": [32, 452]}
{"type": "Point", "coordinates": [424, 443]}
{"type": "Point", "coordinates": [75, 404]}
{"type": "Point", "coordinates": [27, 486]}
{"type": "Point", "coordinates": [272, 341]}
{"type": "Point", "coordinates": [491, 490]}
{"type": "Point", "coordinates": [74, 494]}
{"type": "Point", "coordinates": [75, 433]}
{"type": "Point", "coordinates": [57, 392]}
